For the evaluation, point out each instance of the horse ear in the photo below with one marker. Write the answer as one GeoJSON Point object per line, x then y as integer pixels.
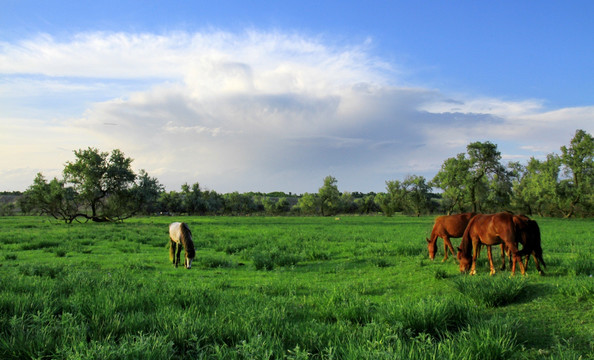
{"type": "Point", "coordinates": [428, 240]}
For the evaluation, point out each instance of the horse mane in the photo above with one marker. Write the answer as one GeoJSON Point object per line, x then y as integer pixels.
{"type": "Point", "coordinates": [466, 243]}
{"type": "Point", "coordinates": [186, 240]}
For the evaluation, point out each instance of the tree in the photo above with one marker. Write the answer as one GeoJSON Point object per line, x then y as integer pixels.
{"type": "Point", "coordinates": [578, 164]}
{"type": "Point", "coordinates": [308, 204]}
{"type": "Point", "coordinates": [145, 193]}
{"type": "Point", "coordinates": [97, 186]}
{"type": "Point", "coordinates": [53, 199]}
{"type": "Point", "coordinates": [329, 196]}
{"type": "Point", "coordinates": [484, 167]}
{"type": "Point", "coordinates": [453, 178]}
{"type": "Point", "coordinates": [366, 204]}
{"type": "Point", "coordinates": [170, 202]}
{"type": "Point", "coordinates": [96, 176]}
{"type": "Point", "coordinates": [416, 194]}
{"type": "Point", "coordinates": [236, 203]}
{"type": "Point", "coordinates": [192, 199]}
{"type": "Point", "coordinates": [537, 188]}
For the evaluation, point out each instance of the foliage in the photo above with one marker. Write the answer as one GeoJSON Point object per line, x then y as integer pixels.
{"type": "Point", "coordinates": [453, 178]}
{"type": "Point", "coordinates": [102, 187]}
{"type": "Point", "coordinates": [329, 197]}
{"type": "Point", "coordinates": [97, 186]}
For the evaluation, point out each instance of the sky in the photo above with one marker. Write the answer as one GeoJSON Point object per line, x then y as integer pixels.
{"type": "Point", "coordinates": [276, 95]}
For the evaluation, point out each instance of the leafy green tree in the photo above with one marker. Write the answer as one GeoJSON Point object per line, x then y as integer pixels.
{"type": "Point", "coordinates": [97, 186]}
{"type": "Point", "coordinates": [329, 196]}
{"type": "Point", "coordinates": [485, 168]}
{"type": "Point", "coordinates": [308, 204]}
{"type": "Point", "coordinates": [276, 206]}
{"type": "Point", "coordinates": [578, 164]}
{"type": "Point", "coordinates": [537, 189]}
{"type": "Point", "coordinates": [53, 199]}
{"type": "Point", "coordinates": [145, 193]}
{"type": "Point", "coordinates": [96, 176]}
{"type": "Point", "coordinates": [416, 194]}
{"type": "Point", "coordinates": [366, 204]}
{"type": "Point", "coordinates": [382, 201]}
{"type": "Point", "coordinates": [214, 201]}
{"type": "Point", "coordinates": [453, 178]}
{"type": "Point", "coordinates": [170, 202]}
{"type": "Point", "coordinates": [236, 203]}
{"type": "Point", "coordinates": [347, 203]}
{"type": "Point", "coordinates": [193, 201]}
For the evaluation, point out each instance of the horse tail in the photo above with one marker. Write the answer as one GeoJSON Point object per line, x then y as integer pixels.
{"type": "Point", "coordinates": [186, 240]}
{"type": "Point", "coordinates": [171, 249]}
{"type": "Point", "coordinates": [535, 231]}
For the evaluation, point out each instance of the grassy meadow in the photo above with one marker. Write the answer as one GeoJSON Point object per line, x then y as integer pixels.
{"type": "Point", "coordinates": [285, 288]}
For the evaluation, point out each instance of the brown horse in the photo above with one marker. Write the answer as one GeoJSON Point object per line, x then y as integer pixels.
{"type": "Point", "coordinates": [492, 229]}
{"type": "Point", "coordinates": [180, 235]}
{"type": "Point", "coordinates": [530, 238]}
{"type": "Point", "coordinates": [446, 227]}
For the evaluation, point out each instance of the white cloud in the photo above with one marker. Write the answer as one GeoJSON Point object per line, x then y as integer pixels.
{"type": "Point", "coordinates": [252, 111]}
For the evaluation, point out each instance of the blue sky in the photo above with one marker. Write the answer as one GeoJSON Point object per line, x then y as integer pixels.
{"type": "Point", "coordinates": [265, 96]}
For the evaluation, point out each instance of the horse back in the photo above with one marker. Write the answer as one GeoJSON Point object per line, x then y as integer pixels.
{"type": "Point", "coordinates": [175, 231]}
{"type": "Point", "coordinates": [452, 225]}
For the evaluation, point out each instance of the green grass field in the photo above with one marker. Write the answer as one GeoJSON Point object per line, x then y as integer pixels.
{"type": "Point", "coordinates": [285, 288]}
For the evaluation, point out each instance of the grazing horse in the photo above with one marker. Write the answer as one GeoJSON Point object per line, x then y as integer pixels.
{"type": "Point", "coordinates": [180, 235]}
{"type": "Point", "coordinates": [446, 227]}
{"type": "Point", "coordinates": [492, 229]}
{"type": "Point", "coordinates": [530, 239]}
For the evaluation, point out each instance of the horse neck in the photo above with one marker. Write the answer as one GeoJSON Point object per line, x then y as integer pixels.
{"type": "Point", "coordinates": [466, 243]}
{"type": "Point", "coordinates": [186, 240]}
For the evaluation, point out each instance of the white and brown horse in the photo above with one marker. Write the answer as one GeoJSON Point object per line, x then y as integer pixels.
{"type": "Point", "coordinates": [180, 235]}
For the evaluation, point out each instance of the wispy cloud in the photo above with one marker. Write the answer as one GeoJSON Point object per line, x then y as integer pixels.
{"type": "Point", "coordinates": [251, 111]}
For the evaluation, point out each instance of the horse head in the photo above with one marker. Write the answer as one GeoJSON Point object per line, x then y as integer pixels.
{"type": "Point", "coordinates": [464, 262]}
{"type": "Point", "coordinates": [431, 247]}
{"type": "Point", "coordinates": [188, 262]}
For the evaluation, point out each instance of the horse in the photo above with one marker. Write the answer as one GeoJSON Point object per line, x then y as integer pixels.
{"type": "Point", "coordinates": [530, 239]}
{"type": "Point", "coordinates": [491, 229]}
{"type": "Point", "coordinates": [180, 235]}
{"type": "Point", "coordinates": [446, 227]}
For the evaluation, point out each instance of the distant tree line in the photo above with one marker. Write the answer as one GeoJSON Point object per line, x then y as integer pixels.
{"type": "Point", "coordinates": [100, 186]}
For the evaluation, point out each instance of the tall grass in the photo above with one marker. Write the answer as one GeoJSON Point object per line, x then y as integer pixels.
{"type": "Point", "coordinates": [491, 291]}
{"type": "Point", "coordinates": [361, 288]}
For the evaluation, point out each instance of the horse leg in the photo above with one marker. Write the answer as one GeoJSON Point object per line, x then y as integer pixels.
{"type": "Point", "coordinates": [177, 254]}
{"type": "Point", "coordinates": [503, 257]}
{"type": "Point", "coordinates": [490, 256]}
{"type": "Point", "coordinates": [517, 258]}
{"type": "Point", "coordinates": [447, 244]}
{"type": "Point", "coordinates": [540, 272]}
{"type": "Point", "coordinates": [475, 252]}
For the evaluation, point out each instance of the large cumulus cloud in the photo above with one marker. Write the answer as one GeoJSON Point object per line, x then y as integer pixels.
{"type": "Point", "coordinates": [256, 111]}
